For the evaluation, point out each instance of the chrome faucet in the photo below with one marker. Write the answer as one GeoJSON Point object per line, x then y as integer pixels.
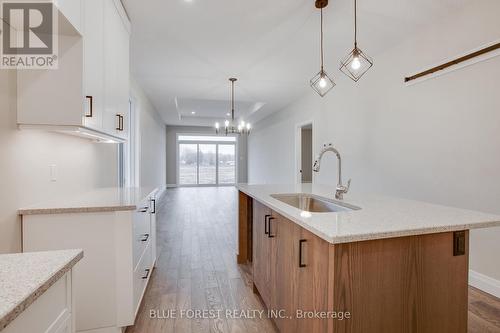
{"type": "Point", "coordinates": [341, 189]}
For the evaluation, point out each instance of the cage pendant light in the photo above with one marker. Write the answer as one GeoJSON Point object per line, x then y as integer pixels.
{"type": "Point", "coordinates": [356, 63]}
{"type": "Point", "coordinates": [321, 82]}
{"type": "Point", "coordinates": [231, 126]}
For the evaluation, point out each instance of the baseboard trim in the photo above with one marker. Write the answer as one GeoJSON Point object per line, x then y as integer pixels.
{"type": "Point", "coordinates": [484, 283]}
{"type": "Point", "coordinates": [171, 185]}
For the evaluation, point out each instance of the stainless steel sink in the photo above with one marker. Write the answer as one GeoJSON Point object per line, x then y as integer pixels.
{"type": "Point", "coordinates": [313, 203]}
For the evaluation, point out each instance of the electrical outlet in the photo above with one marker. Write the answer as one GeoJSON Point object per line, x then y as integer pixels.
{"type": "Point", "coordinates": [53, 172]}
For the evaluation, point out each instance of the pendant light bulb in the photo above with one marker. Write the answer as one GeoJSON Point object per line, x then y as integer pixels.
{"type": "Point", "coordinates": [217, 125]}
{"type": "Point", "coordinates": [355, 64]}
{"type": "Point", "coordinates": [249, 126]}
{"type": "Point", "coordinates": [226, 123]}
{"type": "Point", "coordinates": [322, 82]}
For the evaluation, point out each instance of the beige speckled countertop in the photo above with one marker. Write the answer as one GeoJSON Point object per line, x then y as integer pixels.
{"type": "Point", "coordinates": [26, 276]}
{"type": "Point", "coordinates": [379, 216]}
{"type": "Point", "coordinates": [100, 200]}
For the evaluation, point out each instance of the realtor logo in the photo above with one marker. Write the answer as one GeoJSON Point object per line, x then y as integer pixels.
{"type": "Point", "coordinates": [29, 35]}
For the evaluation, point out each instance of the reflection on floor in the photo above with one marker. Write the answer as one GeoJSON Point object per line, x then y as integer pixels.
{"type": "Point", "coordinates": [197, 270]}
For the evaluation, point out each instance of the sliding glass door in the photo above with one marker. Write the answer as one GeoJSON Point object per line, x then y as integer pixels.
{"type": "Point", "coordinates": [206, 160]}
{"type": "Point", "coordinates": [207, 173]}
{"type": "Point", "coordinates": [188, 164]}
{"type": "Point", "coordinates": [227, 164]}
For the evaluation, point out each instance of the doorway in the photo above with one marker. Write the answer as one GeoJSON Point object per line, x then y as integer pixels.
{"type": "Point", "coordinates": [304, 152]}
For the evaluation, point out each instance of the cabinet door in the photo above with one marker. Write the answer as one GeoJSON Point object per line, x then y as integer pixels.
{"type": "Point", "coordinates": [116, 72]}
{"type": "Point", "coordinates": [72, 10]}
{"type": "Point", "coordinates": [261, 248]}
{"type": "Point", "coordinates": [93, 62]}
{"type": "Point", "coordinates": [313, 280]}
{"type": "Point", "coordinates": [286, 273]}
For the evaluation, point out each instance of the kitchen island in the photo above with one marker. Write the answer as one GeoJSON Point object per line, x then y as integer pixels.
{"type": "Point", "coordinates": [377, 264]}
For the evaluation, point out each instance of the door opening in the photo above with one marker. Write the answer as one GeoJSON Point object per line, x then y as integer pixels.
{"type": "Point", "coordinates": [305, 153]}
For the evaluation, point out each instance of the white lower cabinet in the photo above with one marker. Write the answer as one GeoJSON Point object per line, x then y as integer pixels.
{"type": "Point", "coordinates": [113, 275]}
{"type": "Point", "coordinates": [52, 312]}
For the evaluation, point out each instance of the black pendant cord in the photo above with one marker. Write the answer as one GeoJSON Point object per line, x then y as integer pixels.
{"type": "Point", "coordinates": [321, 39]}
{"type": "Point", "coordinates": [232, 101]}
{"type": "Point", "coordinates": [355, 24]}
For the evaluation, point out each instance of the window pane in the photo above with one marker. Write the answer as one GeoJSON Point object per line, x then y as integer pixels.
{"type": "Point", "coordinates": [207, 164]}
{"type": "Point", "coordinates": [188, 161]}
{"type": "Point", "coordinates": [227, 164]}
{"type": "Point", "coordinates": [207, 138]}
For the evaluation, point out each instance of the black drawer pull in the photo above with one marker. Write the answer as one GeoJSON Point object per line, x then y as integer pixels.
{"type": "Point", "coordinates": [147, 274]}
{"type": "Point", "coordinates": [302, 241]}
{"type": "Point", "coordinates": [266, 227]}
{"type": "Point", "coordinates": [269, 223]}
{"type": "Point", "coordinates": [146, 237]}
{"type": "Point", "coordinates": [143, 209]}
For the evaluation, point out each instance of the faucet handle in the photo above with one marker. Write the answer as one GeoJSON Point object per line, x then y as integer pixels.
{"type": "Point", "coordinates": [348, 186]}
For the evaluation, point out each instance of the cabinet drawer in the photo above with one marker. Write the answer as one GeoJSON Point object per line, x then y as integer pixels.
{"type": "Point", "coordinates": [142, 274]}
{"type": "Point", "coordinates": [49, 313]}
{"type": "Point", "coordinates": [141, 233]}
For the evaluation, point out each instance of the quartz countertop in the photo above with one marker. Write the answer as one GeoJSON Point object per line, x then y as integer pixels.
{"type": "Point", "coordinates": [379, 216]}
{"type": "Point", "coordinates": [26, 276]}
{"type": "Point", "coordinates": [99, 200]}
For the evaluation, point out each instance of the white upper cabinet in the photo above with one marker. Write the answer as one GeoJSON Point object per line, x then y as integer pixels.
{"type": "Point", "coordinates": [93, 43]}
{"type": "Point", "coordinates": [116, 80]}
{"type": "Point", "coordinates": [72, 10]}
{"type": "Point", "coordinates": [88, 95]}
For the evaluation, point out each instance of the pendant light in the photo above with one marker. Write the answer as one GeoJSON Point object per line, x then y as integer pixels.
{"type": "Point", "coordinates": [231, 126]}
{"type": "Point", "coordinates": [321, 82]}
{"type": "Point", "coordinates": [356, 63]}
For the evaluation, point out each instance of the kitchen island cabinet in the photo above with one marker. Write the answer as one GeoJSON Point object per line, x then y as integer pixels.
{"type": "Point", "coordinates": [316, 273]}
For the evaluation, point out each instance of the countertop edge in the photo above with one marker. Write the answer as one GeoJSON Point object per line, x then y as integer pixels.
{"type": "Point", "coordinates": [103, 209]}
{"type": "Point", "coordinates": [370, 236]}
{"type": "Point", "coordinates": [23, 305]}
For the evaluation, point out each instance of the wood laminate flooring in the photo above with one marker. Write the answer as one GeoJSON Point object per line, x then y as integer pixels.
{"type": "Point", "coordinates": [197, 270]}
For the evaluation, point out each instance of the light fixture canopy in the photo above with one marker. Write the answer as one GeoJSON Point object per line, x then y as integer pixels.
{"type": "Point", "coordinates": [321, 82]}
{"type": "Point", "coordinates": [356, 63]}
{"type": "Point", "coordinates": [230, 125]}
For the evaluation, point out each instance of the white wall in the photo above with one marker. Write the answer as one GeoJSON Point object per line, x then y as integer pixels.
{"type": "Point", "coordinates": [171, 134]}
{"type": "Point", "coordinates": [25, 157]}
{"type": "Point", "coordinates": [436, 141]}
{"type": "Point", "coordinates": [152, 141]}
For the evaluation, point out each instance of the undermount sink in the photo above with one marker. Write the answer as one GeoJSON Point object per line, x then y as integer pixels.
{"type": "Point", "coordinates": [313, 203]}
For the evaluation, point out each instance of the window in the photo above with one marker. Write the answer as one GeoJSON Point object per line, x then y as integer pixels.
{"type": "Point", "coordinates": [206, 160]}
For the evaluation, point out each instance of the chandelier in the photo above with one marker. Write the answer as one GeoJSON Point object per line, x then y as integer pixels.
{"type": "Point", "coordinates": [230, 125]}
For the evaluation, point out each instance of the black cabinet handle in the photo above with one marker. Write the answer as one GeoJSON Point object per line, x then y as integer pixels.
{"type": "Point", "coordinates": [266, 227]}
{"type": "Point", "coordinates": [154, 206]}
{"type": "Point", "coordinates": [120, 122]}
{"type": "Point", "coordinates": [147, 274]}
{"type": "Point", "coordinates": [302, 241]}
{"type": "Point", "coordinates": [91, 108]}
{"type": "Point", "coordinates": [146, 237]}
{"type": "Point", "coordinates": [143, 209]}
{"type": "Point", "coordinates": [269, 227]}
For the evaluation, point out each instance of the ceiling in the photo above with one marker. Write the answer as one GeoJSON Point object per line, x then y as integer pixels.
{"type": "Point", "coordinates": [184, 51]}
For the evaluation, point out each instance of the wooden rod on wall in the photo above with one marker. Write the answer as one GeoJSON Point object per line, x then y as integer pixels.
{"type": "Point", "coordinates": [453, 62]}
